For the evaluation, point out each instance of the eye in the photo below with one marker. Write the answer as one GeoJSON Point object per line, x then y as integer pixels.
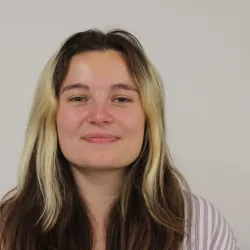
{"type": "Point", "coordinates": [78, 99]}
{"type": "Point", "coordinates": [122, 99]}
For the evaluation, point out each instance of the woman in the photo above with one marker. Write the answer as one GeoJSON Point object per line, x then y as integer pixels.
{"type": "Point", "coordinates": [96, 172]}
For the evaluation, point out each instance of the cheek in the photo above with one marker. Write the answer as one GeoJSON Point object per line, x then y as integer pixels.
{"type": "Point", "coordinates": [135, 125]}
{"type": "Point", "coordinates": [135, 137]}
{"type": "Point", "coordinates": [66, 122]}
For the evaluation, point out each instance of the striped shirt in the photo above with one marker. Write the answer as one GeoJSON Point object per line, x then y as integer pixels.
{"type": "Point", "coordinates": [209, 229]}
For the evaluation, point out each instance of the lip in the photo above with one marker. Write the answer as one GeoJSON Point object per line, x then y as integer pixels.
{"type": "Point", "coordinates": [100, 138]}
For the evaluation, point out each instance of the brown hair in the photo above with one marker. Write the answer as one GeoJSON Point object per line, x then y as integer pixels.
{"type": "Point", "coordinates": [45, 212]}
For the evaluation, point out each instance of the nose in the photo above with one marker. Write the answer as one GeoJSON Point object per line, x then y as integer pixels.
{"type": "Point", "coordinates": [99, 114]}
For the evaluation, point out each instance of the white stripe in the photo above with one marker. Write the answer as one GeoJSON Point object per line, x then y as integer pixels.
{"type": "Point", "coordinates": [209, 229]}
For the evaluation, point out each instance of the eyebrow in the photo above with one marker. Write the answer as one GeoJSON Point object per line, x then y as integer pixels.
{"type": "Point", "coordinates": [83, 86]}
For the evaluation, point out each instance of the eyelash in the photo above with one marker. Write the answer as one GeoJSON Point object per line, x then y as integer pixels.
{"type": "Point", "coordinates": [73, 99]}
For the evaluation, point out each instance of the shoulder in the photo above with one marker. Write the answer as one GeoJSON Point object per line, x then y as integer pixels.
{"type": "Point", "coordinates": [208, 227]}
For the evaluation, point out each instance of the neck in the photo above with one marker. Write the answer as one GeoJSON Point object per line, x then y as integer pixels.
{"type": "Point", "coordinates": [98, 188]}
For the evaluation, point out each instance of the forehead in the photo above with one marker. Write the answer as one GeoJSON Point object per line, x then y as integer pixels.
{"type": "Point", "coordinates": [106, 67]}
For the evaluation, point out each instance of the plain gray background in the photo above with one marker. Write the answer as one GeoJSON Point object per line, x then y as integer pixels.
{"type": "Point", "coordinates": [201, 49]}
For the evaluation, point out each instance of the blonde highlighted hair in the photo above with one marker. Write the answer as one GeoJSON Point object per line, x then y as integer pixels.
{"type": "Point", "coordinates": [149, 214]}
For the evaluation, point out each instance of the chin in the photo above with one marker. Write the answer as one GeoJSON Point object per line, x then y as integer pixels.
{"type": "Point", "coordinates": [102, 166]}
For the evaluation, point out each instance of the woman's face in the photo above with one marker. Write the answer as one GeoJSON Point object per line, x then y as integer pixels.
{"type": "Point", "coordinates": [100, 120]}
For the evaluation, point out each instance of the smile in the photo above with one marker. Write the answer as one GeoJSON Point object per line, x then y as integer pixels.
{"type": "Point", "coordinates": [101, 139]}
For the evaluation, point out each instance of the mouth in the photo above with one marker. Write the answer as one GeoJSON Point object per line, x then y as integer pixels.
{"type": "Point", "coordinates": [101, 138]}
